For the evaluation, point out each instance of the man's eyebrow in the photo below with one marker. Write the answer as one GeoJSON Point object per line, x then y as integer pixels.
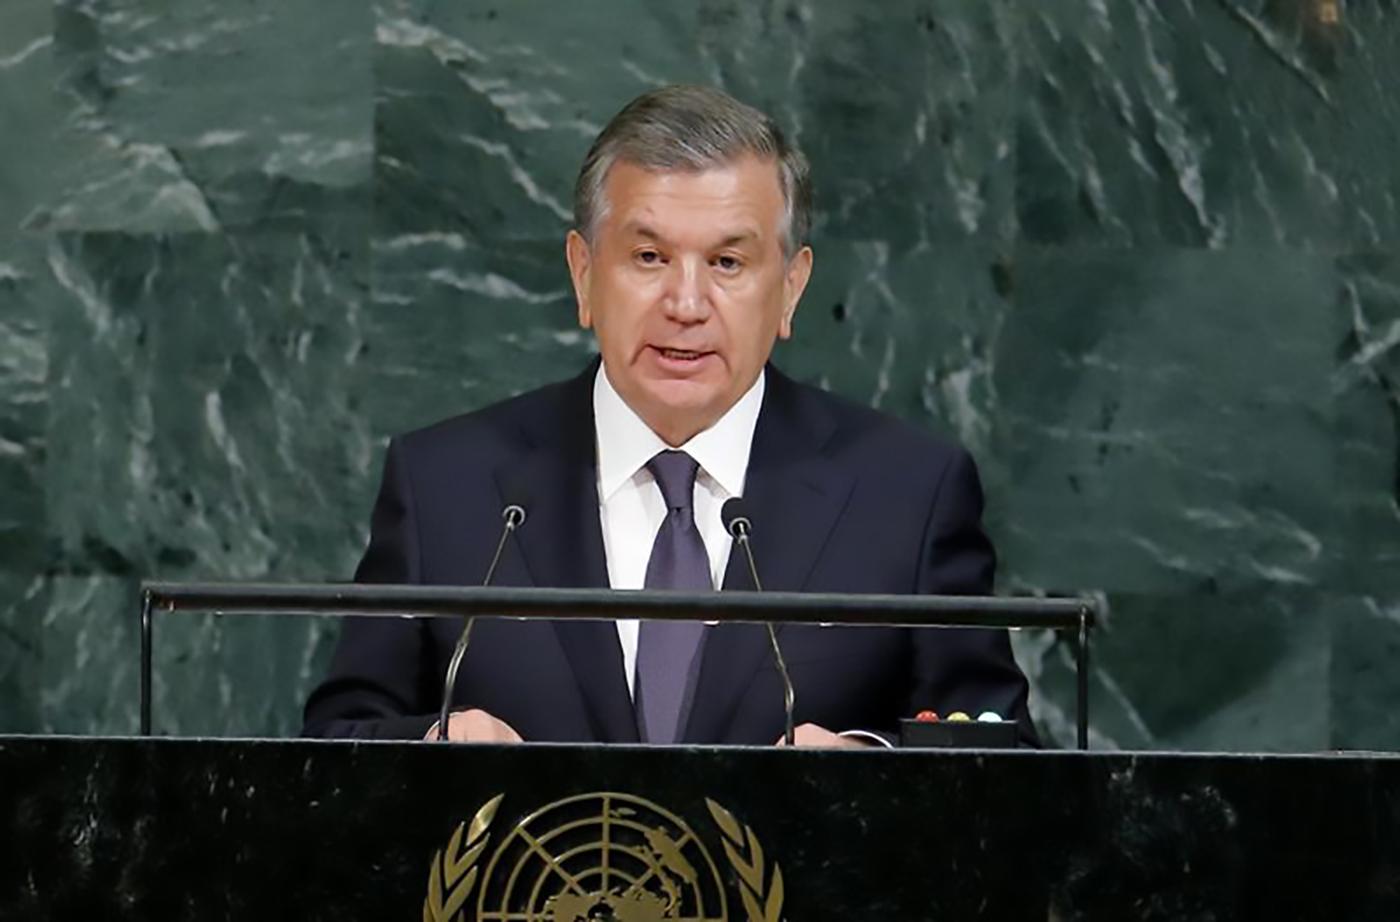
{"type": "Point", "coordinates": [641, 230]}
{"type": "Point", "coordinates": [737, 238]}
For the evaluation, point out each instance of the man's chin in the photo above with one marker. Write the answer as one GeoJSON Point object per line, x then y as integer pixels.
{"type": "Point", "coordinates": [682, 395]}
{"type": "Point", "coordinates": [682, 406]}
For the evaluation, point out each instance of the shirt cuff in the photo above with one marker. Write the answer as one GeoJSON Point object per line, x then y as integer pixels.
{"type": "Point", "coordinates": [867, 735]}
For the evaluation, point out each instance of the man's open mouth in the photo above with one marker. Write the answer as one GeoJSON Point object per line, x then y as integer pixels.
{"type": "Point", "coordinates": [681, 354]}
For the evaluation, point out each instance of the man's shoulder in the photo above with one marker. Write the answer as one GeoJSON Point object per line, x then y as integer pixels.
{"type": "Point", "coordinates": [514, 424]}
{"type": "Point", "coordinates": [873, 432]}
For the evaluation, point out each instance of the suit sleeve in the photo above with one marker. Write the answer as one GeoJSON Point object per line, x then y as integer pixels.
{"type": "Point", "coordinates": [381, 683]}
{"type": "Point", "coordinates": [964, 669]}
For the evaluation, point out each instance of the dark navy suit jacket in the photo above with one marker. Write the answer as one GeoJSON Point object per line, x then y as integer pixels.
{"type": "Point", "coordinates": [842, 498]}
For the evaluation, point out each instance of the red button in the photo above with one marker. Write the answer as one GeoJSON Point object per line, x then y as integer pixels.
{"type": "Point", "coordinates": [927, 716]}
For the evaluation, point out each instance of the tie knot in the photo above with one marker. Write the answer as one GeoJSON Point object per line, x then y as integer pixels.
{"type": "Point", "coordinates": [675, 474]}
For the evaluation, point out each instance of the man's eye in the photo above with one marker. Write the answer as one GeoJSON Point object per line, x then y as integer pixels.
{"type": "Point", "coordinates": [727, 263]}
{"type": "Point", "coordinates": [648, 257]}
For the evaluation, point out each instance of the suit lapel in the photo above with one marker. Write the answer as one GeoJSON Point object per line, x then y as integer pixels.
{"type": "Point", "coordinates": [561, 544]}
{"type": "Point", "coordinates": [795, 494]}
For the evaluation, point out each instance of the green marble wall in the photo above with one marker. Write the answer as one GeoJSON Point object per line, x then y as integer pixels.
{"type": "Point", "coordinates": [1142, 257]}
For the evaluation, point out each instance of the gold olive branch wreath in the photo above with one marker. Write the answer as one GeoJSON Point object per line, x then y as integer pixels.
{"type": "Point", "coordinates": [746, 858]}
{"type": "Point", "coordinates": [455, 868]}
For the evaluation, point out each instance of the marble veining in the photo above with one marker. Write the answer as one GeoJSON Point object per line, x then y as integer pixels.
{"type": "Point", "coordinates": [1140, 257]}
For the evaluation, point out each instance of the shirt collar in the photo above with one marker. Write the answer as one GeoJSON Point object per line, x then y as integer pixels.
{"type": "Point", "coordinates": [626, 443]}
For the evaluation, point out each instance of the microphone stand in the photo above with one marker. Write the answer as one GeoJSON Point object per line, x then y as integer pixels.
{"type": "Point", "coordinates": [514, 517]}
{"type": "Point", "coordinates": [739, 528]}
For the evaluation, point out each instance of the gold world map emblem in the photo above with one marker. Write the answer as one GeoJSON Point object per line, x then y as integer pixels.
{"type": "Point", "coordinates": [601, 857]}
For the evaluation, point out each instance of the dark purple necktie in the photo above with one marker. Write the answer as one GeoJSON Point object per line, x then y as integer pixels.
{"type": "Point", "coordinates": [668, 651]}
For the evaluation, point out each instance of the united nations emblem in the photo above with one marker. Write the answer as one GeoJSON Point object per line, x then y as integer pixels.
{"type": "Point", "coordinates": [604, 857]}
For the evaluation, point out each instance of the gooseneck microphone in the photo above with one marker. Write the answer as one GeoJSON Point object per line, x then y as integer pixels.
{"type": "Point", "coordinates": [740, 527]}
{"type": "Point", "coordinates": [514, 517]}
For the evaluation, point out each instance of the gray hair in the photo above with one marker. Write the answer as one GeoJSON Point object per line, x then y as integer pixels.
{"type": "Point", "coordinates": [693, 128]}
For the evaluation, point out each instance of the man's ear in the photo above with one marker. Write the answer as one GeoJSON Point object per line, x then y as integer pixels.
{"type": "Point", "coordinates": [580, 260]}
{"type": "Point", "coordinates": [795, 279]}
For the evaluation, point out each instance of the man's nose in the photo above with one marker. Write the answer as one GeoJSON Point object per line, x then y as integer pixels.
{"type": "Point", "coordinates": [687, 295]}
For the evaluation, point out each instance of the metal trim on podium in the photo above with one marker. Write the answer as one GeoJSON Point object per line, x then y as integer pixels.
{"type": "Point", "coordinates": [1076, 614]}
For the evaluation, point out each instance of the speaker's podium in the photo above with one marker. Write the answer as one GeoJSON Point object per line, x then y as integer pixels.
{"type": "Point", "coordinates": [153, 828]}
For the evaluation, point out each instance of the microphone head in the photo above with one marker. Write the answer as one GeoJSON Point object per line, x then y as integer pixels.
{"type": "Point", "coordinates": [514, 515]}
{"type": "Point", "coordinates": [734, 514]}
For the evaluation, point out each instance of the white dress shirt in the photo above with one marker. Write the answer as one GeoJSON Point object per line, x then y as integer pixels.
{"type": "Point", "coordinates": [630, 505]}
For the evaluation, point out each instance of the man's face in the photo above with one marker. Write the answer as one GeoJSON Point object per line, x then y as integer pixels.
{"type": "Point", "coordinates": [687, 288]}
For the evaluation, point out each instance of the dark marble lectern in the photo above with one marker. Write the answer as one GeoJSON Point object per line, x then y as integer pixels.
{"type": "Point", "coordinates": [183, 829]}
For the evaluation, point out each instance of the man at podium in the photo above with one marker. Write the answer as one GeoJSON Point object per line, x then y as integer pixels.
{"type": "Point", "coordinates": [688, 258]}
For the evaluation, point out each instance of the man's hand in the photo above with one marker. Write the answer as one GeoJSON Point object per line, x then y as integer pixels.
{"type": "Point", "coordinates": [475, 726]}
{"type": "Point", "coordinates": [813, 735]}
